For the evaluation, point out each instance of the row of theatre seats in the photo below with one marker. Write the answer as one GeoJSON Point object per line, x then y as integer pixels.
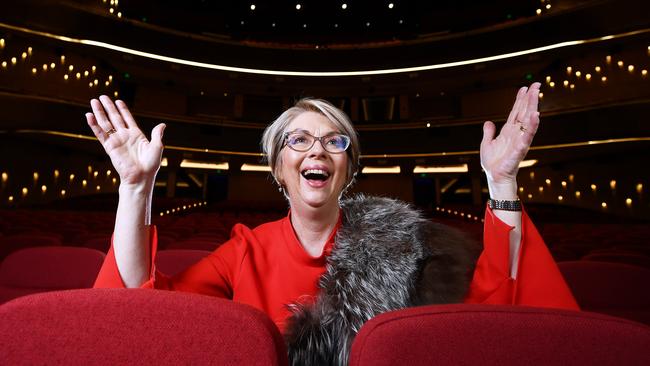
{"type": "Point", "coordinates": [610, 288]}
{"type": "Point", "coordinates": [207, 230]}
{"type": "Point", "coordinates": [64, 251]}
{"type": "Point", "coordinates": [620, 243]}
{"type": "Point", "coordinates": [118, 327]}
{"type": "Point", "coordinates": [198, 230]}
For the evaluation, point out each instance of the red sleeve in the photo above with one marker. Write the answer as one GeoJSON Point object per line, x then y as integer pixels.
{"type": "Point", "coordinates": [539, 281]}
{"type": "Point", "coordinates": [212, 275]}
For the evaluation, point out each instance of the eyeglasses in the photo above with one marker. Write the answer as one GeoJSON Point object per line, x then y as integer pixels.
{"type": "Point", "coordinates": [303, 141]}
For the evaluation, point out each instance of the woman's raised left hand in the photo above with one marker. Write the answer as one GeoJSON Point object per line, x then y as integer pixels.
{"type": "Point", "coordinates": [500, 156]}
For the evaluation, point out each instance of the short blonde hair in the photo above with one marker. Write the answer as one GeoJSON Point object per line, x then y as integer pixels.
{"type": "Point", "coordinates": [273, 137]}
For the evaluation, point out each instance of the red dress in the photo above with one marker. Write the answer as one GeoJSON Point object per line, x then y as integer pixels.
{"type": "Point", "coordinates": [267, 268]}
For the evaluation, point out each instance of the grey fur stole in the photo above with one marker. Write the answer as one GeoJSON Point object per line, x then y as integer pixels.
{"type": "Point", "coordinates": [387, 256]}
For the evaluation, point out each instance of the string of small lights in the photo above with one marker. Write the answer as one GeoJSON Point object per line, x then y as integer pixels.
{"type": "Point", "coordinates": [610, 67]}
{"type": "Point", "coordinates": [44, 183]}
{"type": "Point", "coordinates": [179, 209]}
{"type": "Point", "coordinates": [544, 6]}
{"type": "Point", "coordinates": [571, 191]}
{"type": "Point", "coordinates": [112, 7]}
{"type": "Point", "coordinates": [457, 213]}
{"type": "Point", "coordinates": [568, 191]}
{"type": "Point", "coordinates": [62, 69]}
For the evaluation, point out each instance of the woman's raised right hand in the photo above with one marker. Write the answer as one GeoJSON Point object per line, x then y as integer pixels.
{"type": "Point", "coordinates": [135, 158]}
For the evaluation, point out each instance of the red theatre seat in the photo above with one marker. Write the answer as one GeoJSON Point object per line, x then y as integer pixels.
{"type": "Point", "coordinates": [615, 289]}
{"type": "Point", "coordinates": [499, 335]}
{"type": "Point", "coordinates": [172, 261]}
{"type": "Point", "coordinates": [40, 269]}
{"type": "Point", "coordinates": [136, 327]}
{"type": "Point", "coordinates": [11, 243]}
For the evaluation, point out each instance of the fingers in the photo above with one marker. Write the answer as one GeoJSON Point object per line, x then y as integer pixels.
{"type": "Point", "coordinates": [100, 116]}
{"type": "Point", "coordinates": [516, 108]}
{"type": "Point", "coordinates": [530, 121]}
{"type": "Point", "coordinates": [489, 129]}
{"type": "Point", "coordinates": [98, 131]}
{"type": "Point", "coordinates": [157, 133]}
{"type": "Point", "coordinates": [113, 114]}
{"type": "Point", "coordinates": [126, 114]}
{"type": "Point", "coordinates": [532, 99]}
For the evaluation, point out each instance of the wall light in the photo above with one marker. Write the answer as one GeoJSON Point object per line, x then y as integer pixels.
{"type": "Point", "coordinates": [186, 163]}
{"type": "Point", "coordinates": [255, 168]}
{"type": "Point", "coordinates": [462, 168]}
{"type": "Point", "coordinates": [381, 170]}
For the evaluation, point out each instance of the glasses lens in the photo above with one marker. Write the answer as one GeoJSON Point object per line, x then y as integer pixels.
{"type": "Point", "coordinates": [336, 143]}
{"type": "Point", "coordinates": [300, 141]}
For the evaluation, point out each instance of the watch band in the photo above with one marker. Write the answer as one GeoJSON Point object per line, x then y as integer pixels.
{"type": "Point", "coordinates": [504, 205]}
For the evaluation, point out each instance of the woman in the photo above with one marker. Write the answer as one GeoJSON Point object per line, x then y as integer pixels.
{"type": "Point", "coordinates": [330, 265]}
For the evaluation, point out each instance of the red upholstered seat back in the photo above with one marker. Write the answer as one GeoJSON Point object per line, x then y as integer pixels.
{"type": "Point", "coordinates": [40, 269]}
{"type": "Point", "coordinates": [12, 243]}
{"type": "Point", "coordinates": [136, 327]}
{"type": "Point", "coordinates": [499, 335]}
{"type": "Point", "coordinates": [172, 261]}
{"type": "Point", "coordinates": [611, 288]}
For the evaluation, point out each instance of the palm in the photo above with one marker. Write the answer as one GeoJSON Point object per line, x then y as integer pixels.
{"type": "Point", "coordinates": [500, 156]}
{"type": "Point", "coordinates": [135, 158]}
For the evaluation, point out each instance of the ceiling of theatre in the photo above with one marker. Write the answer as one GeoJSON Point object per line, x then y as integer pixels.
{"type": "Point", "coordinates": [218, 72]}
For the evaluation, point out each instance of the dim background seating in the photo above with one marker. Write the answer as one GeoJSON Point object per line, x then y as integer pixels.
{"type": "Point", "coordinates": [172, 261]}
{"type": "Point", "coordinates": [135, 326]}
{"type": "Point", "coordinates": [40, 269]}
{"type": "Point", "coordinates": [205, 228]}
{"type": "Point", "coordinates": [499, 335]}
{"type": "Point", "coordinates": [615, 289]}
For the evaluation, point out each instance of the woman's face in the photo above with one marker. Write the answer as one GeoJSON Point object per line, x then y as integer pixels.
{"type": "Point", "coordinates": [314, 178]}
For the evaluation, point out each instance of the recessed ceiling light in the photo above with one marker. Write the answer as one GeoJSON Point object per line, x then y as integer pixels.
{"type": "Point", "coordinates": [272, 24]}
{"type": "Point", "coordinates": [298, 6]}
{"type": "Point", "coordinates": [367, 24]}
{"type": "Point", "coordinates": [401, 21]}
{"type": "Point", "coordinates": [390, 6]}
{"type": "Point", "coordinates": [304, 25]}
{"type": "Point", "coordinates": [252, 6]}
{"type": "Point", "coordinates": [344, 6]}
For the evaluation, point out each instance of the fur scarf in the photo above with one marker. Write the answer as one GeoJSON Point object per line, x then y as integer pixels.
{"type": "Point", "coordinates": [387, 256]}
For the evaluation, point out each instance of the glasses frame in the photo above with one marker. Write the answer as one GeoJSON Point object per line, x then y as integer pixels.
{"type": "Point", "coordinates": [320, 139]}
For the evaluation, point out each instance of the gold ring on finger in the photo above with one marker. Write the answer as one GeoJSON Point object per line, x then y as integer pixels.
{"type": "Point", "coordinates": [522, 128]}
{"type": "Point", "coordinates": [110, 132]}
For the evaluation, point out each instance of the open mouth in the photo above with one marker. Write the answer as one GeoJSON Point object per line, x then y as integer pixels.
{"type": "Point", "coordinates": [318, 175]}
